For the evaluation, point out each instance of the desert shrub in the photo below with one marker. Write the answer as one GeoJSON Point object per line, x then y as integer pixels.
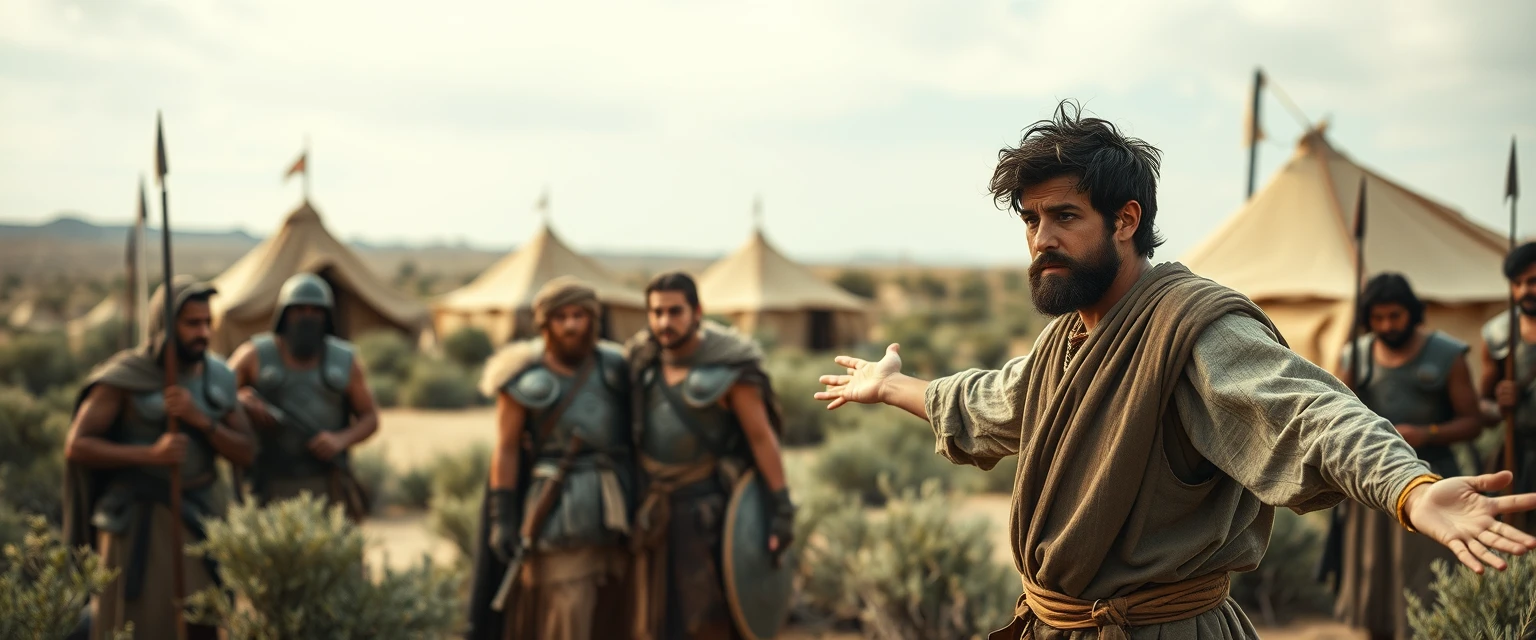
{"type": "Point", "coordinates": [457, 519]}
{"type": "Point", "coordinates": [1284, 583]}
{"type": "Point", "coordinates": [438, 384]}
{"type": "Point", "coordinates": [889, 447]}
{"type": "Point", "coordinates": [371, 467]}
{"type": "Point", "coordinates": [974, 296]}
{"type": "Point", "coordinates": [794, 375]}
{"type": "Point", "coordinates": [37, 362]}
{"type": "Point", "coordinates": [386, 354]}
{"type": "Point", "coordinates": [1498, 604]}
{"type": "Point", "coordinates": [857, 282]}
{"type": "Point", "coordinates": [415, 487]}
{"type": "Point", "coordinates": [99, 343]}
{"type": "Point", "coordinates": [914, 571]}
{"type": "Point", "coordinates": [296, 570]}
{"type": "Point", "coordinates": [46, 584]}
{"type": "Point", "coordinates": [468, 346]}
{"type": "Point", "coordinates": [998, 479]}
{"type": "Point", "coordinates": [386, 391]}
{"type": "Point", "coordinates": [31, 453]}
{"type": "Point", "coordinates": [462, 473]}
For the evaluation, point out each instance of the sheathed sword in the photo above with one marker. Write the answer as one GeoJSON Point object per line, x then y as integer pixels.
{"type": "Point", "coordinates": [535, 523]}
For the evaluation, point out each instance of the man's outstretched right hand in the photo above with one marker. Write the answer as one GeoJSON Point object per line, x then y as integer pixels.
{"type": "Point", "coordinates": [865, 381]}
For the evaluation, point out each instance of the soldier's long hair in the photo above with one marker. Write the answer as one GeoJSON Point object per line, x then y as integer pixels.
{"type": "Point", "coordinates": [1390, 288]}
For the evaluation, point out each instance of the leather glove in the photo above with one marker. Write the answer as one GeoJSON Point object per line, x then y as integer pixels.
{"type": "Point", "coordinates": [781, 522]}
{"type": "Point", "coordinates": [506, 518]}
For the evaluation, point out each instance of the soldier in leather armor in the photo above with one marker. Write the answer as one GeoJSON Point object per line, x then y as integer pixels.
{"type": "Point", "coordinates": [705, 413]}
{"type": "Point", "coordinates": [1418, 379]}
{"type": "Point", "coordinates": [561, 403]}
{"type": "Point", "coordinates": [308, 399]}
{"type": "Point", "coordinates": [119, 453]}
{"type": "Point", "coordinates": [1520, 393]}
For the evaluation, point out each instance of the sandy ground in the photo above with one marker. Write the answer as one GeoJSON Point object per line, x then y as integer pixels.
{"type": "Point", "coordinates": [410, 438]}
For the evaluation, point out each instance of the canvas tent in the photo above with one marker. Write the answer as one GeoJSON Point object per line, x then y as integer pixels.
{"type": "Point", "coordinates": [110, 308]}
{"type": "Point", "coordinates": [1291, 249]}
{"type": "Point", "coordinates": [500, 300]}
{"type": "Point", "coordinates": [764, 293]}
{"type": "Point", "coordinates": [247, 297]}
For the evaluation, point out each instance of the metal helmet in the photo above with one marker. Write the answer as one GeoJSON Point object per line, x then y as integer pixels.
{"type": "Point", "coordinates": [304, 289]}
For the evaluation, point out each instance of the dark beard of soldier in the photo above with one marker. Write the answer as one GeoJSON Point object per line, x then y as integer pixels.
{"type": "Point", "coordinates": [1086, 281]}
{"type": "Point", "coordinates": [189, 354]}
{"type": "Point", "coordinates": [1395, 340]}
{"type": "Point", "coordinates": [1527, 305]}
{"type": "Point", "coordinates": [670, 340]}
{"type": "Point", "coordinates": [569, 348]}
{"type": "Point", "coordinates": [304, 336]}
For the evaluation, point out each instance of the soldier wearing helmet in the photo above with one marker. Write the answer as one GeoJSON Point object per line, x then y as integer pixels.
{"type": "Point", "coordinates": [305, 392]}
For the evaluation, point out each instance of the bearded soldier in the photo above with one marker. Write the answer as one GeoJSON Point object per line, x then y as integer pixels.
{"type": "Point", "coordinates": [305, 392]}
{"type": "Point", "coordinates": [1520, 393]}
{"type": "Point", "coordinates": [706, 414]}
{"type": "Point", "coordinates": [1159, 417]}
{"type": "Point", "coordinates": [562, 477]}
{"type": "Point", "coordinates": [117, 489]}
{"type": "Point", "coordinates": [1419, 380]}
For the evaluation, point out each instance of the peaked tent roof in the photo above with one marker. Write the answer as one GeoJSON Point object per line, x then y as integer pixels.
{"type": "Point", "coordinates": [248, 289]}
{"type": "Point", "coordinates": [515, 279]}
{"type": "Point", "coordinates": [759, 278]}
{"type": "Point", "coordinates": [1294, 239]}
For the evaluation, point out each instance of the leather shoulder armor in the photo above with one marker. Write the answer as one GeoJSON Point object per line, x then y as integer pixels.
{"type": "Point", "coordinates": [614, 370]}
{"type": "Point", "coordinates": [1496, 336]}
{"type": "Point", "coordinates": [707, 384]}
{"type": "Point", "coordinates": [221, 384]}
{"type": "Point", "coordinates": [269, 362]}
{"type": "Point", "coordinates": [536, 388]}
{"type": "Point", "coordinates": [338, 363]}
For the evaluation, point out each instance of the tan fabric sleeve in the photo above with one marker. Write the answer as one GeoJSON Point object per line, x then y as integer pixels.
{"type": "Point", "coordinates": [1286, 429]}
{"type": "Point", "coordinates": [977, 414]}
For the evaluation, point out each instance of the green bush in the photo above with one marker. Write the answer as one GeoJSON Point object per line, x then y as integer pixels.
{"type": "Point", "coordinates": [31, 453]}
{"type": "Point", "coordinates": [998, 479]}
{"type": "Point", "coordinates": [886, 447]}
{"type": "Point", "coordinates": [371, 467]}
{"type": "Point", "coordinates": [386, 354]}
{"type": "Point", "coordinates": [386, 391]}
{"type": "Point", "coordinates": [1283, 585]}
{"type": "Point", "coordinates": [46, 585]}
{"type": "Point", "coordinates": [438, 384]}
{"type": "Point", "coordinates": [37, 362]}
{"type": "Point", "coordinates": [457, 519]}
{"type": "Point", "coordinates": [296, 570]}
{"type": "Point", "coordinates": [415, 487]}
{"type": "Point", "coordinates": [461, 474]}
{"type": "Point", "coordinates": [913, 571]}
{"type": "Point", "coordinates": [857, 282]}
{"type": "Point", "coordinates": [1498, 604]}
{"type": "Point", "coordinates": [468, 346]}
{"type": "Point", "coordinates": [795, 375]}
{"type": "Point", "coordinates": [101, 342]}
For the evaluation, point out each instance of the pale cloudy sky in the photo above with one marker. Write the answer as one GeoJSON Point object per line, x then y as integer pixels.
{"type": "Point", "coordinates": [869, 127]}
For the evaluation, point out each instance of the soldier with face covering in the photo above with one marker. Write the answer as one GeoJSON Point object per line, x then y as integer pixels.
{"type": "Point", "coordinates": [305, 391]}
{"type": "Point", "coordinates": [119, 453]}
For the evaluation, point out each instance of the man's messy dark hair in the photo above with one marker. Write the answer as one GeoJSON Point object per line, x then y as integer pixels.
{"type": "Point", "coordinates": [1111, 168]}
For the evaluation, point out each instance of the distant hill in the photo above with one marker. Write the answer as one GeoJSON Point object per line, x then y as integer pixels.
{"type": "Point", "coordinates": [69, 227]}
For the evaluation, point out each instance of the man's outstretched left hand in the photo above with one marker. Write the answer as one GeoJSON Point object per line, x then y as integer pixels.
{"type": "Point", "coordinates": [1455, 513]}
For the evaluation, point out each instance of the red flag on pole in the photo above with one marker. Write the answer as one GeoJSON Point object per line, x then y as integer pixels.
{"type": "Point", "coordinates": [299, 166]}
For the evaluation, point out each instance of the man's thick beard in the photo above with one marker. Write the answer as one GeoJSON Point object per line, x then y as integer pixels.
{"type": "Point", "coordinates": [1527, 305]}
{"type": "Point", "coordinates": [1397, 339]}
{"type": "Point", "coordinates": [1086, 281]}
{"type": "Point", "coordinates": [693, 329]}
{"type": "Point", "coordinates": [570, 355]}
{"type": "Point", "coordinates": [304, 337]}
{"type": "Point", "coordinates": [188, 356]}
